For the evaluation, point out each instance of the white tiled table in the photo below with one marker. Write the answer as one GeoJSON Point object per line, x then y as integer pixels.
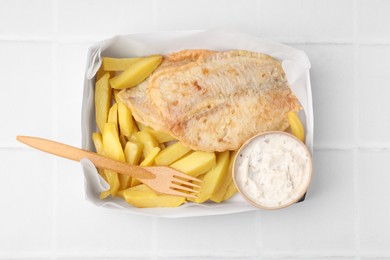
{"type": "Point", "coordinates": [43, 214]}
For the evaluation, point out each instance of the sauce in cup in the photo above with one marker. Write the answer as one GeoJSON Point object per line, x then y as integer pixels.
{"type": "Point", "coordinates": [272, 170]}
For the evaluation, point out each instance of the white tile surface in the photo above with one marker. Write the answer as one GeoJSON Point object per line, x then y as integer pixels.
{"type": "Point", "coordinates": [207, 258]}
{"type": "Point", "coordinates": [374, 180]}
{"type": "Point", "coordinates": [374, 20]}
{"type": "Point", "coordinates": [26, 217]}
{"type": "Point", "coordinates": [374, 105]}
{"type": "Point", "coordinates": [207, 14]}
{"type": "Point", "coordinates": [71, 60]}
{"type": "Point", "coordinates": [83, 229]}
{"type": "Point", "coordinates": [324, 223]}
{"type": "Point", "coordinates": [26, 17]}
{"type": "Point", "coordinates": [333, 90]}
{"type": "Point", "coordinates": [305, 20]}
{"type": "Point", "coordinates": [302, 258]}
{"type": "Point", "coordinates": [104, 17]}
{"type": "Point", "coordinates": [26, 90]}
{"type": "Point", "coordinates": [42, 57]}
{"type": "Point", "coordinates": [227, 235]}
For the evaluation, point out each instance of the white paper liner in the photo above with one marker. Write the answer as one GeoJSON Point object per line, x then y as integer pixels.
{"type": "Point", "coordinates": [295, 64]}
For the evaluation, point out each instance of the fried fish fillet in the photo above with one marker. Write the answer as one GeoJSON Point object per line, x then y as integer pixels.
{"type": "Point", "coordinates": [136, 98]}
{"type": "Point", "coordinates": [214, 101]}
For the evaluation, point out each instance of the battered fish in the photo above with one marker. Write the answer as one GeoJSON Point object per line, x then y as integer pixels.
{"type": "Point", "coordinates": [137, 100]}
{"type": "Point", "coordinates": [214, 101]}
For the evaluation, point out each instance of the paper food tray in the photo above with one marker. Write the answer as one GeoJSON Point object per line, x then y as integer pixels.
{"type": "Point", "coordinates": [295, 64]}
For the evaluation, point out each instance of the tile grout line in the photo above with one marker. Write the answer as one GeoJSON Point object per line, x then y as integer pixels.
{"type": "Point", "coordinates": [55, 122]}
{"type": "Point", "coordinates": [356, 127]}
{"type": "Point", "coordinates": [92, 38]}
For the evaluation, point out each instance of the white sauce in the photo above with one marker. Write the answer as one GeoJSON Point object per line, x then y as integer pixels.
{"type": "Point", "coordinates": [273, 170]}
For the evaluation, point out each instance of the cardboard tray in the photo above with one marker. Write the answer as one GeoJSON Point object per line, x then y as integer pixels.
{"type": "Point", "coordinates": [295, 63]}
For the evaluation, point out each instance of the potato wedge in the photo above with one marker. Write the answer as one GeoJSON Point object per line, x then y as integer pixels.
{"type": "Point", "coordinates": [160, 136]}
{"type": "Point", "coordinates": [219, 193]}
{"type": "Point", "coordinates": [102, 100]}
{"type": "Point", "coordinates": [117, 64]}
{"type": "Point", "coordinates": [111, 144]}
{"type": "Point", "coordinates": [138, 149]}
{"type": "Point", "coordinates": [148, 161]}
{"type": "Point", "coordinates": [296, 125]}
{"type": "Point", "coordinates": [230, 191]}
{"type": "Point", "coordinates": [113, 181]}
{"type": "Point", "coordinates": [100, 73]}
{"type": "Point", "coordinates": [113, 149]}
{"type": "Point", "coordinates": [171, 154]}
{"type": "Point", "coordinates": [105, 194]}
{"type": "Point", "coordinates": [148, 141]}
{"type": "Point", "coordinates": [136, 73]}
{"type": "Point", "coordinates": [98, 142]}
{"type": "Point", "coordinates": [143, 197]}
{"type": "Point", "coordinates": [123, 140]}
{"type": "Point", "coordinates": [113, 115]}
{"type": "Point", "coordinates": [125, 119]}
{"type": "Point", "coordinates": [140, 126]}
{"type": "Point", "coordinates": [195, 163]}
{"type": "Point", "coordinates": [214, 177]}
{"type": "Point", "coordinates": [133, 152]}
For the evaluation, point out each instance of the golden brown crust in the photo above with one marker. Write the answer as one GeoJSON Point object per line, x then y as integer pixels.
{"type": "Point", "coordinates": [137, 100]}
{"type": "Point", "coordinates": [214, 101]}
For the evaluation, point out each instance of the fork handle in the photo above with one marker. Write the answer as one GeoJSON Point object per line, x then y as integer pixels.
{"type": "Point", "coordinates": [76, 154]}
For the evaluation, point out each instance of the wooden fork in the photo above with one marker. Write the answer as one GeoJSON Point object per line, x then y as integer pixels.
{"type": "Point", "coordinates": [161, 179]}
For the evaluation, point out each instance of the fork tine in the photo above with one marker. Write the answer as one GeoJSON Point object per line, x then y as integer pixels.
{"type": "Point", "coordinates": [186, 176]}
{"type": "Point", "coordinates": [175, 186]}
{"type": "Point", "coordinates": [181, 194]}
{"type": "Point", "coordinates": [185, 183]}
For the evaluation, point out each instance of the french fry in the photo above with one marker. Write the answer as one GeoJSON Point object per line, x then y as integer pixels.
{"type": "Point", "coordinates": [143, 197]}
{"type": "Point", "coordinates": [134, 182]}
{"type": "Point", "coordinates": [140, 126]}
{"type": "Point", "coordinates": [213, 178]}
{"type": "Point", "coordinates": [104, 194]}
{"type": "Point", "coordinates": [113, 149]}
{"type": "Point", "coordinates": [102, 100]}
{"type": "Point", "coordinates": [195, 163]}
{"type": "Point", "coordinates": [148, 161]}
{"type": "Point", "coordinates": [148, 141]}
{"type": "Point", "coordinates": [230, 191]}
{"type": "Point", "coordinates": [117, 64]}
{"type": "Point", "coordinates": [100, 73]}
{"type": "Point", "coordinates": [171, 154]}
{"type": "Point", "coordinates": [133, 152]}
{"type": "Point", "coordinates": [113, 114]}
{"type": "Point", "coordinates": [136, 73]}
{"type": "Point", "coordinates": [125, 119]}
{"type": "Point", "coordinates": [111, 144]}
{"type": "Point", "coordinates": [296, 125]}
{"type": "Point", "coordinates": [123, 140]}
{"type": "Point", "coordinates": [218, 194]}
{"type": "Point", "coordinates": [160, 136]}
{"type": "Point", "coordinates": [98, 142]}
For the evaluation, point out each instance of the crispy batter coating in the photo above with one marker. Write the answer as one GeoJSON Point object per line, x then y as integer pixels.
{"type": "Point", "coordinates": [214, 101]}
